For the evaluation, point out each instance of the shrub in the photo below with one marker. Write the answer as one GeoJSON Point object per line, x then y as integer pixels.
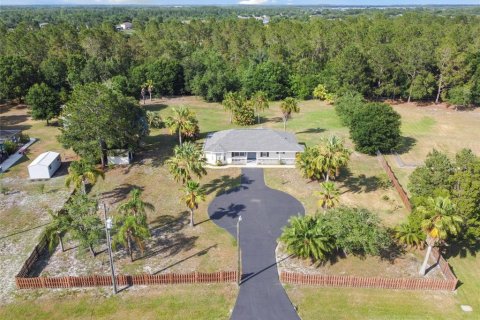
{"type": "Point", "coordinates": [353, 230]}
{"type": "Point", "coordinates": [10, 147]}
{"type": "Point", "coordinates": [346, 104]}
{"type": "Point", "coordinates": [358, 231]}
{"type": "Point", "coordinates": [244, 115]}
{"type": "Point", "coordinates": [384, 181]}
{"type": "Point", "coordinates": [24, 138]}
{"type": "Point", "coordinates": [154, 120]}
{"type": "Point", "coordinates": [376, 126]}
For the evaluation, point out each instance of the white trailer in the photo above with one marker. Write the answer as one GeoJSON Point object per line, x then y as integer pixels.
{"type": "Point", "coordinates": [44, 166]}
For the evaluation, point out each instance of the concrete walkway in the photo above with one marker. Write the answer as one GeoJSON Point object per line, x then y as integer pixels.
{"type": "Point", "coordinates": [14, 158]}
{"type": "Point", "coordinates": [264, 212]}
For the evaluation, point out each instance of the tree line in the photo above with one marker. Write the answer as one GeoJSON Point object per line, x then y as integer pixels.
{"type": "Point", "coordinates": [415, 56]}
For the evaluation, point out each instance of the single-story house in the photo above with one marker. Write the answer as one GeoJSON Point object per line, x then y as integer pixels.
{"type": "Point", "coordinates": [45, 165]}
{"type": "Point", "coordinates": [251, 147]}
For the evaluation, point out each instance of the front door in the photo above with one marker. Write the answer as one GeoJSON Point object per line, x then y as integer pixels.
{"type": "Point", "coordinates": [251, 156]}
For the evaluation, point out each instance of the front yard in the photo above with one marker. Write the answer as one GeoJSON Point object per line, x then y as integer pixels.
{"type": "Point", "coordinates": [175, 247]}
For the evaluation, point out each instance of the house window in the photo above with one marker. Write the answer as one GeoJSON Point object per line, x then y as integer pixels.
{"type": "Point", "coordinates": [280, 152]}
{"type": "Point", "coordinates": [238, 154]}
{"type": "Point", "coordinates": [264, 154]}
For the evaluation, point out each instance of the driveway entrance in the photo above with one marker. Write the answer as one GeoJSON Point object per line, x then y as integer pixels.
{"type": "Point", "coordinates": [264, 213]}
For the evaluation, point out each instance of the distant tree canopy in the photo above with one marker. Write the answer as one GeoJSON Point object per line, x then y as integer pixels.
{"type": "Point", "coordinates": [209, 51]}
{"type": "Point", "coordinates": [98, 118]}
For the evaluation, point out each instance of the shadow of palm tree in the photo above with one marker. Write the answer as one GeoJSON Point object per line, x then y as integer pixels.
{"type": "Point", "coordinates": [232, 211]}
{"type": "Point", "coordinates": [222, 184]}
{"type": "Point", "coordinates": [312, 130]}
{"type": "Point", "coordinates": [120, 193]}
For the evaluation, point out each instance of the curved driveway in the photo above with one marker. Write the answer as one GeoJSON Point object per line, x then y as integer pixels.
{"type": "Point", "coordinates": [264, 212]}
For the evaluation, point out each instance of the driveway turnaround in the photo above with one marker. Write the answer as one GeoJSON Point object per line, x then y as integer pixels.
{"type": "Point", "coordinates": [264, 213]}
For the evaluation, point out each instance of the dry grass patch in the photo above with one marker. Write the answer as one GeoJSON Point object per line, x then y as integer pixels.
{"type": "Point", "coordinates": [404, 266]}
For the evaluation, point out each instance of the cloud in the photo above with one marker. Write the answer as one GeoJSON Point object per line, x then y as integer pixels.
{"type": "Point", "coordinates": [253, 2]}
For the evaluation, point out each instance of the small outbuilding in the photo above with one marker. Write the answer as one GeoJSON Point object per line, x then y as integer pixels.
{"type": "Point", "coordinates": [44, 166]}
{"type": "Point", "coordinates": [119, 157]}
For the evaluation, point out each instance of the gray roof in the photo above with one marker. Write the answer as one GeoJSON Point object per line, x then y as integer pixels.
{"type": "Point", "coordinates": [253, 140]}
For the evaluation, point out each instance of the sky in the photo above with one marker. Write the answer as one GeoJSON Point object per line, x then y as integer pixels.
{"type": "Point", "coordinates": [236, 2]}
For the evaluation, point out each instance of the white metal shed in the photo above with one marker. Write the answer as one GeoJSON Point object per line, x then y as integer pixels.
{"type": "Point", "coordinates": [45, 165]}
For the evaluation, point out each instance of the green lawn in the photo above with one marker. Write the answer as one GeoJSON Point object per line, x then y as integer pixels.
{"type": "Point", "coordinates": [180, 302]}
{"type": "Point", "coordinates": [346, 303]}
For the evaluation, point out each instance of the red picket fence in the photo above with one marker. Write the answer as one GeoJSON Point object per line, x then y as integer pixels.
{"type": "Point", "coordinates": [124, 280]}
{"type": "Point", "coordinates": [449, 283]}
{"type": "Point", "coordinates": [396, 183]}
{"type": "Point", "coordinates": [367, 282]}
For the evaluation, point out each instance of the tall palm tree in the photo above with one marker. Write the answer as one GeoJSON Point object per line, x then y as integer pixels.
{"type": "Point", "coordinates": [59, 224]}
{"type": "Point", "coordinates": [305, 237]}
{"type": "Point", "coordinates": [82, 172]}
{"type": "Point", "coordinates": [193, 193]}
{"type": "Point", "coordinates": [131, 229]}
{"type": "Point", "coordinates": [182, 121]}
{"type": "Point", "coordinates": [135, 205]}
{"type": "Point", "coordinates": [187, 160]}
{"type": "Point", "coordinates": [231, 102]}
{"type": "Point", "coordinates": [288, 106]}
{"type": "Point", "coordinates": [259, 102]}
{"type": "Point", "coordinates": [149, 85]}
{"type": "Point", "coordinates": [328, 196]}
{"type": "Point", "coordinates": [440, 222]}
{"type": "Point", "coordinates": [409, 235]}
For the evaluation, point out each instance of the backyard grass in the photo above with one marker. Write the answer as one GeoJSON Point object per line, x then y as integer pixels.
{"type": "Point", "coordinates": [209, 302]}
{"type": "Point", "coordinates": [374, 304]}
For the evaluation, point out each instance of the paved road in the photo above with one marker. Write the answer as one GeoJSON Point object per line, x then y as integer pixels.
{"type": "Point", "coordinates": [264, 212]}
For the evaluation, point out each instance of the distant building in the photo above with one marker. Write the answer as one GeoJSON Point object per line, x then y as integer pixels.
{"type": "Point", "coordinates": [44, 166]}
{"type": "Point", "coordinates": [43, 24]}
{"type": "Point", "coordinates": [265, 19]}
{"type": "Point", "coordinates": [125, 26]}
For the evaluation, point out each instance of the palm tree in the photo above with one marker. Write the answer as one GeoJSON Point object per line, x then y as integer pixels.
{"type": "Point", "coordinates": [82, 172]}
{"type": "Point", "coordinates": [131, 229]}
{"type": "Point", "coordinates": [305, 237]}
{"type": "Point", "coordinates": [409, 235]}
{"type": "Point", "coordinates": [193, 194]}
{"type": "Point", "coordinates": [135, 205]}
{"type": "Point", "coordinates": [231, 102]}
{"type": "Point", "coordinates": [149, 85]}
{"type": "Point", "coordinates": [440, 222]}
{"type": "Point", "coordinates": [305, 161]}
{"type": "Point", "coordinates": [328, 196]}
{"type": "Point", "coordinates": [259, 102]}
{"type": "Point", "coordinates": [187, 160]}
{"type": "Point", "coordinates": [332, 156]}
{"type": "Point", "coordinates": [182, 121]}
{"type": "Point", "coordinates": [288, 106]}
{"type": "Point", "coordinates": [59, 224]}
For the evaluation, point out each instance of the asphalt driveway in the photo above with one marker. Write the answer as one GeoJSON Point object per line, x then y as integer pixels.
{"type": "Point", "coordinates": [264, 213]}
